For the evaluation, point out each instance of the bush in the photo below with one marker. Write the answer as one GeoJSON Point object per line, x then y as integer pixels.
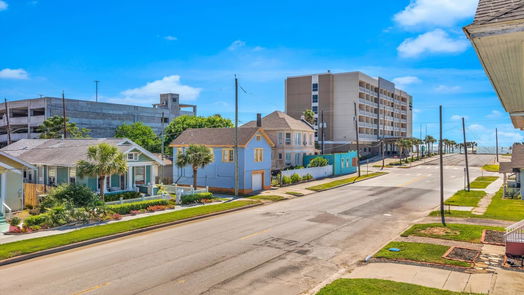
{"type": "Point", "coordinates": [36, 220]}
{"type": "Point", "coordinates": [286, 180]}
{"type": "Point", "coordinates": [295, 178]}
{"type": "Point", "coordinates": [318, 162]}
{"type": "Point", "coordinates": [75, 194]}
{"type": "Point", "coordinates": [308, 177]}
{"type": "Point", "coordinates": [196, 198]}
{"type": "Point", "coordinates": [15, 221]}
{"type": "Point", "coordinates": [127, 208]}
{"type": "Point", "coordinates": [124, 195]}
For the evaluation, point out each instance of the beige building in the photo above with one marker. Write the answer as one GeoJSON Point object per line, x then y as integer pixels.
{"type": "Point", "coordinates": [293, 138]}
{"type": "Point", "coordinates": [384, 112]}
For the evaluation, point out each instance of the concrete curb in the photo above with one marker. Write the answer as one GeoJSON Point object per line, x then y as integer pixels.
{"type": "Point", "coordinates": [327, 189]}
{"type": "Point", "coordinates": [115, 236]}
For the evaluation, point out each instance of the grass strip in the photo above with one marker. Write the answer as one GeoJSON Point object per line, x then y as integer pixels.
{"type": "Point", "coordinates": [273, 198]}
{"type": "Point", "coordinates": [456, 232]}
{"type": "Point", "coordinates": [380, 287]}
{"type": "Point", "coordinates": [344, 181]}
{"type": "Point", "coordinates": [419, 252]}
{"type": "Point", "coordinates": [491, 168]}
{"type": "Point", "coordinates": [38, 244]}
{"type": "Point", "coordinates": [296, 194]}
{"type": "Point", "coordinates": [465, 198]}
{"type": "Point", "coordinates": [483, 181]}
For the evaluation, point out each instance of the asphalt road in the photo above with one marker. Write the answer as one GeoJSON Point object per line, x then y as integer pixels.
{"type": "Point", "coordinates": [283, 248]}
{"type": "Point", "coordinates": [474, 160]}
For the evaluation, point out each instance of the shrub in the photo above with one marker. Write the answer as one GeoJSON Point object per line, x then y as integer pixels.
{"type": "Point", "coordinates": [116, 216]}
{"type": "Point", "coordinates": [15, 221]}
{"type": "Point", "coordinates": [36, 220]}
{"type": "Point", "coordinates": [318, 162]}
{"type": "Point", "coordinates": [110, 197]}
{"type": "Point", "coordinates": [35, 227]}
{"type": "Point", "coordinates": [127, 208]}
{"type": "Point", "coordinates": [156, 208]}
{"type": "Point", "coordinates": [134, 212]}
{"type": "Point", "coordinates": [308, 177]}
{"type": "Point", "coordinates": [75, 194]}
{"type": "Point", "coordinates": [295, 178]}
{"type": "Point", "coordinates": [195, 198]}
{"type": "Point", "coordinates": [286, 180]}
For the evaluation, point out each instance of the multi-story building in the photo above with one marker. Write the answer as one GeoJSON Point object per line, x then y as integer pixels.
{"type": "Point", "coordinates": [293, 138]}
{"type": "Point", "coordinates": [101, 118]}
{"type": "Point", "coordinates": [383, 112]}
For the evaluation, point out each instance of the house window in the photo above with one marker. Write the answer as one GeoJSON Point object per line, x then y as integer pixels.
{"type": "Point", "coordinates": [315, 98]}
{"type": "Point", "coordinates": [180, 150]}
{"type": "Point", "coordinates": [288, 138]}
{"type": "Point", "coordinates": [72, 175]}
{"type": "Point", "coordinates": [258, 137]}
{"type": "Point", "coordinates": [314, 87]}
{"type": "Point", "coordinates": [288, 158]}
{"type": "Point", "coordinates": [132, 157]}
{"type": "Point", "coordinates": [259, 154]}
{"type": "Point", "coordinates": [311, 139]}
{"type": "Point", "coordinates": [228, 155]}
{"type": "Point", "coordinates": [280, 156]}
{"type": "Point", "coordinates": [314, 109]}
{"type": "Point", "coordinates": [140, 175]}
{"type": "Point", "coordinates": [297, 159]}
{"type": "Point", "coordinates": [298, 138]}
{"type": "Point", "coordinates": [342, 163]}
{"type": "Point", "coordinates": [280, 138]}
{"type": "Point", "coordinates": [304, 136]}
{"type": "Point", "coordinates": [51, 177]}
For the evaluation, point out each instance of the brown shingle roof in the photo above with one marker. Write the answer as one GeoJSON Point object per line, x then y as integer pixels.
{"type": "Point", "coordinates": [517, 156]}
{"type": "Point", "coordinates": [505, 167]}
{"type": "Point", "coordinates": [278, 120]}
{"type": "Point", "coordinates": [58, 152]}
{"type": "Point", "coordinates": [493, 11]}
{"type": "Point", "coordinates": [216, 136]}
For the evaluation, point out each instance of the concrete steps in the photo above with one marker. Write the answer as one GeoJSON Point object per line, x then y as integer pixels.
{"type": "Point", "coordinates": [4, 226]}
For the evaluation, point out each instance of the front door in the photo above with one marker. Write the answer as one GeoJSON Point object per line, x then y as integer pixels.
{"type": "Point", "coordinates": [256, 182]}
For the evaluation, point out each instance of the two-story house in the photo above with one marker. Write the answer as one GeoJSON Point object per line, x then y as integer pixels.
{"type": "Point", "coordinates": [254, 159]}
{"type": "Point", "coordinates": [293, 138]}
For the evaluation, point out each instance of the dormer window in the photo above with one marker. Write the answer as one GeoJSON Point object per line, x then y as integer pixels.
{"type": "Point", "coordinates": [132, 156]}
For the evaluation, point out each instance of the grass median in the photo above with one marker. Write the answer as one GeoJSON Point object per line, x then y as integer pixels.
{"type": "Point", "coordinates": [379, 287]}
{"type": "Point", "coordinates": [456, 232]}
{"type": "Point", "coordinates": [419, 252]}
{"type": "Point", "coordinates": [43, 243]}
{"type": "Point", "coordinates": [273, 198]}
{"type": "Point", "coordinates": [483, 181]}
{"type": "Point", "coordinates": [325, 186]}
{"type": "Point", "coordinates": [465, 198]}
{"type": "Point", "coordinates": [491, 168]}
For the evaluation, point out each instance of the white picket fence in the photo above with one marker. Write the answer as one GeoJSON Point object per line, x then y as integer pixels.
{"type": "Point", "coordinates": [316, 172]}
{"type": "Point", "coordinates": [180, 191]}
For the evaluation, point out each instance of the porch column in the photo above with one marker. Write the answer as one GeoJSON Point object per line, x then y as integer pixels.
{"type": "Point", "coordinates": [3, 185]}
{"type": "Point", "coordinates": [153, 174]}
{"type": "Point", "coordinates": [130, 178]}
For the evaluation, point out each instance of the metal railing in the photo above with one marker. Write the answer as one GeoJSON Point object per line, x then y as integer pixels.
{"type": "Point", "coordinates": [8, 214]}
{"type": "Point", "coordinates": [515, 233]}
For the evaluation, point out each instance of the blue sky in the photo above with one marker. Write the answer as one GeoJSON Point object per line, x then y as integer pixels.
{"type": "Point", "coordinates": [140, 48]}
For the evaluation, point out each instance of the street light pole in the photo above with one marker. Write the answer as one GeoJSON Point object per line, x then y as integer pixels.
{"type": "Point", "coordinates": [441, 172]}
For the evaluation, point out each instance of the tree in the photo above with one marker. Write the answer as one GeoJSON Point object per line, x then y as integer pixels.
{"type": "Point", "coordinates": [179, 124]}
{"type": "Point", "coordinates": [198, 156]}
{"type": "Point", "coordinates": [53, 127]}
{"type": "Point", "coordinates": [403, 144]}
{"type": "Point", "coordinates": [309, 116]}
{"type": "Point", "coordinates": [318, 162]}
{"type": "Point", "coordinates": [429, 140]}
{"type": "Point", "coordinates": [417, 142]}
{"type": "Point", "coordinates": [102, 160]}
{"type": "Point", "coordinates": [141, 134]}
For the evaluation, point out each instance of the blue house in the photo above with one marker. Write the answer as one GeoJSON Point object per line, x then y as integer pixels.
{"type": "Point", "coordinates": [343, 163]}
{"type": "Point", "coordinates": [254, 159]}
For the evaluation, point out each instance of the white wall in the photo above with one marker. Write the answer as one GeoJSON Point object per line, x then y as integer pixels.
{"type": "Point", "coordinates": [316, 172]}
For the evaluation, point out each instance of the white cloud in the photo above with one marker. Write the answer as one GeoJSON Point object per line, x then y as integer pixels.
{"type": "Point", "coordinates": [20, 74]}
{"type": "Point", "coordinates": [151, 91]}
{"type": "Point", "coordinates": [435, 13]}
{"type": "Point", "coordinates": [236, 45]}
{"type": "Point", "coordinates": [406, 80]}
{"type": "Point", "coordinates": [436, 41]}
{"type": "Point", "coordinates": [171, 38]}
{"type": "Point", "coordinates": [3, 5]}
{"type": "Point", "coordinates": [476, 127]}
{"type": "Point", "coordinates": [494, 114]}
{"type": "Point", "coordinates": [447, 89]}
{"type": "Point", "coordinates": [458, 117]}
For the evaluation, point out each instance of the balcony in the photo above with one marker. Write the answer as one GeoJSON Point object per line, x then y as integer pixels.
{"type": "Point", "coordinates": [367, 102]}
{"type": "Point", "coordinates": [363, 136]}
{"type": "Point", "coordinates": [366, 113]}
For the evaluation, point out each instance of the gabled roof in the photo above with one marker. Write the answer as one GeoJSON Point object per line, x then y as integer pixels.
{"type": "Point", "coordinates": [517, 156]}
{"type": "Point", "coordinates": [217, 137]}
{"type": "Point", "coordinates": [278, 120]}
{"type": "Point", "coordinates": [66, 152]}
{"type": "Point", "coordinates": [493, 11]}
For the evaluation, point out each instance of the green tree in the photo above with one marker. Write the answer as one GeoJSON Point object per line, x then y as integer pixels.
{"type": "Point", "coordinates": [417, 142]}
{"type": "Point", "coordinates": [318, 162]}
{"type": "Point", "coordinates": [53, 127]}
{"type": "Point", "coordinates": [429, 141]}
{"type": "Point", "coordinates": [198, 156]}
{"type": "Point", "coordinates": [404, 144]}
{"type": "Point", "coordinates": [309, 116]}
{"type": "Point", "coordinates": [102, 160]}
{"type": "Point", "coordinates": [141, 134]}
{"type": "Point", "coordinates": [179, 124]}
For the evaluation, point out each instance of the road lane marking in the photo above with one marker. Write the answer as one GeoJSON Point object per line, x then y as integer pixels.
{"type": "Point", "coordinates": [254, 234]}
{"type": "Point", "coordinates": [92, 288]}
{"type": "Point", "coordinates": [412, 181]}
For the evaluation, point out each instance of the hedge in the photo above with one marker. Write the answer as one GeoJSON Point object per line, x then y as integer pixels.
{"type": "Point", "coordinates": [126, 208]}
{"type": "Point", "coordinates": [194, 198]}
{"type": "Point", "coordinates": [36, 219]}
{"type": "Point", "coordinates": [125, 196]}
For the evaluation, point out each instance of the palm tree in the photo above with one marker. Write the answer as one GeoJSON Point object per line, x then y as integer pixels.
{"type": "Point", "coordinates": [102, 160]}
{"type": "Point", "coordinates": [198, 156]}
{"type": "Point", "coordinates": [417, 142]}
{"type": "Point", "coordinates": [429, 141]}
{"type": "Point", "coordinates": [309, 116]}
{"type": "Point", "coordinates": [403, 144]}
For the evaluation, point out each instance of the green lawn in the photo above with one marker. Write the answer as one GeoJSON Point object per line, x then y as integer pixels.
{"type": "Point", "coordinates": [37, 244]}
{"type": "Point", "coordinates": [491, 168]}
{"type": "Point", "coordinates": [455, 213]}
{"type": "Point", "coordinates": [340, 182]}
{"type": "Point", "coordinates": [456, 232]}
{"type": "Point", "coordinates": [483, 181]}
{"type": "Point", "coordinates": [273, 198]}
{"type": "Point", "coordinates": [419, 252]}
{"type": "Point", "coordinates": [296, 194]}
{"type": "Point", "coordinates": [465, 198]}
{"type": "Point", "coordinates": [379, 287]}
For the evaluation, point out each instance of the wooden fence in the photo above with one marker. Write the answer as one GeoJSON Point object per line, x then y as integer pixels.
{"type": "Point", "coordinates": [32, 191]}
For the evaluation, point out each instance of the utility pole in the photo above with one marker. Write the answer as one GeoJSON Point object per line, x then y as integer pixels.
{"type": "Point", "coordinates": [497, 143]}
{"type": "Point", "coordinates": [322, 131]}
{"type": "Point", "coordinates": [162, 149]}
{"type": "Point", "coordinates": [7, 122]}
{"type": "Point", "coordinates": [96, 90]}
{"type": "Point", "coordinates": [64, 113]}
{"type": "Point", "coordinates": [441, 173]}
{"type": "Point", "coordinates": [358, 146]}
{"type": "Point", "coordinates": [466, 153]}
{"type": "Point", "coordinates": [236, 137]}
